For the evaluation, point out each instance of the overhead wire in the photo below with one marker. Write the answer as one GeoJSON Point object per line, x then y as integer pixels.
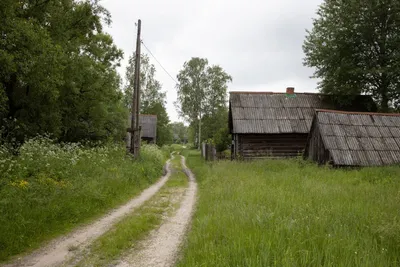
{"type": "Point", "coordinates": [159, 63]}
{"type": "Point", "coordinates": [148, 50]}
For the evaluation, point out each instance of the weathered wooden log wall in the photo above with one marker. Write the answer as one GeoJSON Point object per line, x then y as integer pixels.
{"type": "Point", "coordinates": [253, 146]}
{"type": "Point", "coordinates": [316, 149]}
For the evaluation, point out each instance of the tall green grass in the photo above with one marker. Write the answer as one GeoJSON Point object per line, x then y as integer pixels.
{"type": "Point", "coordinates": [291, 213]}
{"type": "Point", "coordinates": [50, 188]}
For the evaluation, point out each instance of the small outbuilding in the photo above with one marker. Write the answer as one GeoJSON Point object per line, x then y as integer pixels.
{"type": "Point", "coordinates": [354, 138]}
{"type": "Point", "coordinates": [275, 125]}
{"type": "Point", "coordinates": [149, 127]}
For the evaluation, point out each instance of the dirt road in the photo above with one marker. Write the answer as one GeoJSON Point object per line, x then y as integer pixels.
{"type": "Point", "coordinates": [162, 246]}
{"type": "Point", "coordinates": [61, 249]}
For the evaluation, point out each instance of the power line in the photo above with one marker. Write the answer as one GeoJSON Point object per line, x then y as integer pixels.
{"type": "Point", "coordinates": [148, 50]}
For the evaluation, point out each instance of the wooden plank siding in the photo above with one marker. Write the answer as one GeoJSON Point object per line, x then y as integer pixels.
{"type": "Point", "coordinates": [316, 149]}
{"type": "Point", "coordinates": [252, 146]}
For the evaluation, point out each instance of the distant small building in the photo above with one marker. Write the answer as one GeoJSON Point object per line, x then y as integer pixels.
{"type": "Point", "coordinates": [149, 128]}
{"type": "Point", "coordinates": [354, 138]}
{"type": "Point", "coordinates": [275, 125]}
{"type": "Point", "coordinates": [148, 125]}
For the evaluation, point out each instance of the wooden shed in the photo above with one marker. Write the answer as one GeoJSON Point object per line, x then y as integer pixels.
{"type": "Point", "coordinates": [149, 127]}
{"type": "Point", "coordinates": [265, 124]}
{"type": "Point", "coordinates": [354, 138]}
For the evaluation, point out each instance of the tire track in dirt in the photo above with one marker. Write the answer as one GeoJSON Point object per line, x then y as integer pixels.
{"type": "Point", "coordinates": [162, 247]}
{"type": "Point", "coordinates": [61, 249]}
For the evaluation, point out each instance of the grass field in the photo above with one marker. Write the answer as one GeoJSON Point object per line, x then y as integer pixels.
{"type": "Point", "coordinates": [50, 188]}
{"type": "Point", "coordinates": [292, 213]}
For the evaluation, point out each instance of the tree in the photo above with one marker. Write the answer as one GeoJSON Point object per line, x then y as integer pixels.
{"type": "Point", "coordinates": [152, 98]}
{"type": "Point", "coordinates": [179, 131]}
{"type": "Point", "coordinates": [150, 89]}
{"type": "Point", "coordinates": [202, 89]}
{"type": "Point", "coordinates": [59, 71]}
{"type": "Point", "coordinates": [354, 47]}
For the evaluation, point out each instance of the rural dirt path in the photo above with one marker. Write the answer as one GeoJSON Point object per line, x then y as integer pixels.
{"type": "Point", "coordinates": [61, 249]}
{"type": "Point", "coordinates": [162, 246]}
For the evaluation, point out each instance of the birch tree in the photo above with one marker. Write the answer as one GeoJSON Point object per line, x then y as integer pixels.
{"type": "Point", "coordinates": [201, 90]}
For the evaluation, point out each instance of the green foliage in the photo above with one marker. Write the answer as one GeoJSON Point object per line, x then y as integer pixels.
{"type": "Point", "coordinates": [215, 127]}
{"type": "Point", "coordinates": [152, 98]}
{"type": "Point", "coordinates": [180, 132]}
{"type": "Point", "coordinates": [354, 47]}
{"type": "Point", "coordinates": [287, 213]}
{"type": "Point", "coordinates": [50, 188]}
{"type": "Point", "coordinates": [164, 131]}
{"type": "Point", "coordinates": [202, 91]}
{"type": "Point", "coordinates": [58, 71]}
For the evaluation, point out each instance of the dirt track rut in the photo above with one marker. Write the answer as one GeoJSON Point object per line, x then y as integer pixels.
{"type": "Point", "coordinates": [161, 248]}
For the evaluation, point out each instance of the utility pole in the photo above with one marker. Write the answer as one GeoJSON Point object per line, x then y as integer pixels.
{"type": "Point", "coordinates": [135, 127]}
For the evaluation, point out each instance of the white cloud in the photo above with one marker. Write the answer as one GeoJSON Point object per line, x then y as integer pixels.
{"type": "Point", "coordinates": [258, 42]}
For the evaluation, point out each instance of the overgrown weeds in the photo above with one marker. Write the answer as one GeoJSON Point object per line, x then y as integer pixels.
{"type": "Point", "coordinates": [50, 188]}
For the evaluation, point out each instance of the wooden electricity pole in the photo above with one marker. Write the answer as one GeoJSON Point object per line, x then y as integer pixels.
{"type": "Point", "coordinates": [135, 127]}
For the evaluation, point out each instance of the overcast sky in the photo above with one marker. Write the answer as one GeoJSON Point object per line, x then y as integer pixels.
{"type": "Point", "coordinates": [258, 42]}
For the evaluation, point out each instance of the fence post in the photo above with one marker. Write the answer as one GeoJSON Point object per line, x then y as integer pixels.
{"type": "Point", "coordinates": [214, 153]}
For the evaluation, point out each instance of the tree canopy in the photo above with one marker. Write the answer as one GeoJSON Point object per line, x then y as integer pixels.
{"type": "Point", "coordinates": [58, 71]}
{"type": "Point", "coordinates": [354, 47]}
{"type": "Point", "coordinates": [180, 132]}
{"type": "Point", "coordinates": [202, 90]}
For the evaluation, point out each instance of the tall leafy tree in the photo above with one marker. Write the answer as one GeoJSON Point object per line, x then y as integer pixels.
{"type": "Point", "coordinates": [152, 98]}
{"type": "Point", "coordinates": [354, 47]}
{"type": "Point", "coordinates": [202, 89]}
{"type": "Point", "coordinates": [58, 71]}
{"type": "Point", "coordinates": [150, 89]}
{"type": "Point", "coordinates": [179, 131]}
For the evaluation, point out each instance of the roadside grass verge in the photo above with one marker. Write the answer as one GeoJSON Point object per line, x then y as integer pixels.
{"type": "Point", "coordinates": [293, 213]}
{"type": "Point", "coordinates": [126, 234]}
{"type": "Point", "coordinates": [50, 188]}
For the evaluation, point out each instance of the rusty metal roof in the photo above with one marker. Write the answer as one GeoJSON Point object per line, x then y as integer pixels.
{"type": "Point", "coordinates": [360, 139]}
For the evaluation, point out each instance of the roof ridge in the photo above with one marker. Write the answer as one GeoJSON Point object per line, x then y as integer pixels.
{"type": "Point", "coordinates": [356, 112]}
{"type": "Point", "coordinates": [270, 93]}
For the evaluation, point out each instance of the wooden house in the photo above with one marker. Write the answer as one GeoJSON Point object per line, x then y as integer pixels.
{"type": "Point", "coordinates": [149, 127]}
{"type": "Point", "coordinates": [148, 124]}
{"type": "Point", "coordinates": [273, 125]}
{"type": "Point", "coordinates": [354, 138]}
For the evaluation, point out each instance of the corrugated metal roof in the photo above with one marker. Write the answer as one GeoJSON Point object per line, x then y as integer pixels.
{"type": "Point", "coordinates": [360, 139]}
{"type": "Point", "coordinates": [273, 113]}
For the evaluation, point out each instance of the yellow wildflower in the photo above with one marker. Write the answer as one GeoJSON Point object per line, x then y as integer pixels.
{"type": "Point", "coordinates": [20, 184]}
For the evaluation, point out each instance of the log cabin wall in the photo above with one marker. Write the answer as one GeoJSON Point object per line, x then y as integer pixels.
{"type": "Point", "coordinates": [257, 146]}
